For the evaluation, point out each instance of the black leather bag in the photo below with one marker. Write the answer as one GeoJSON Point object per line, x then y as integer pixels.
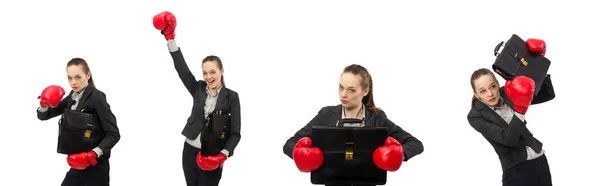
{"type": "Point", "coordinates": [215, 133]}
{"type": "Point", "coordinates": [78, 132]}
{"type": "Point", "coordinates": [348, 154]}
{"type": "Point", "coordinates": [515, 59]}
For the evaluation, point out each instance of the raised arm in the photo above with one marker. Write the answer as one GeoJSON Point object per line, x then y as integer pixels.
{"type": "Point", "coordinates": [186, 76]}
{"type": "Point", "coordinates": [546, 92]}
{"type": "Point", "coordinates": [166, 23]}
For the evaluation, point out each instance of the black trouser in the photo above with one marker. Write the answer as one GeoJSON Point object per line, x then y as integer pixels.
{"type": "Point", "coordinates": [194, 176]}
{"type": "Point", "coordinates": [534, 172]}
{"type": "Point", "coordinates": [97, 175]}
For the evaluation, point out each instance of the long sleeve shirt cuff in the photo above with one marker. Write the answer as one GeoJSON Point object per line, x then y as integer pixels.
{"type": "Point", "coordinates": [43, 109]}
{"type": "Point", "coordinates": [172, 45]}
{"type": "Point", "coordinates": [226, 152]}
{"type": "Point", "coordinates": [98, 151]}
{"type": "Point", "coordinates": [520, 116]}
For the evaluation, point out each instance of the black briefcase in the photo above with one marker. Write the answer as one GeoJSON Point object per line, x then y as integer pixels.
{"type": "Point", "coordinates": [515, 59]}
{"type": "Point", "coordinates": [348, 155]}
{"type": "Point", "coordinates": [78, 132]}
{"type": "Point", "coordinates": [215, 133]}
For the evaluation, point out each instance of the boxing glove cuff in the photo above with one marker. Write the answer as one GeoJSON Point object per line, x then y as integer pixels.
{"type": "Point", "coordinates": [43, 109]}
{"type": "Point", "coordinates": [225, 152]}
{"type": "Point", "coordinates": [98, 152]}
{"type": "Point", "coordinates": [172, 45]}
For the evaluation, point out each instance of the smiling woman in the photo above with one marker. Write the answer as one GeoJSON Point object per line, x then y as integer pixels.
{"type": "Point", "coordinates": [212, 130]}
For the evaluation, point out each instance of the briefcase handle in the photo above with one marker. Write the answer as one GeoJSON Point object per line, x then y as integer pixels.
{"type": "Point", "coordinates": [497, 49]}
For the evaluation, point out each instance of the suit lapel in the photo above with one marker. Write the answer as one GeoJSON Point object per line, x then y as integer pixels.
{"type": "Point", "coordinates": [488, 113]}
{"type": "Point", "coordinates": [368, 118]}
{"type": "Point", "coordinates": [335, 115]}
{"type": "Point", "coordinates": [202, 98]}
{"type": "Point", "coordinates": [221, 99]}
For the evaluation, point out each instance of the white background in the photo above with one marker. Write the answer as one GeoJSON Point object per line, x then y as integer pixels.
{"type": "Point", "coordinates": [284, 59]}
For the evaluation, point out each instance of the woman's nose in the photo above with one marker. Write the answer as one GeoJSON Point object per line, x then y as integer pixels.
{"type": "Point", "coordinates": [490, 93]}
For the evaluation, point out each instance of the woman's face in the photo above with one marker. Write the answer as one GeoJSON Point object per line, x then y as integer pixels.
{"type": "Point", "coordinates": [351, 91]}
{"type": "Point", "coordinates": [487, 89]}
{"type": "Point", "coordinates": [212, 74]}
{"type": "Point", "coordinates": [78, 79]}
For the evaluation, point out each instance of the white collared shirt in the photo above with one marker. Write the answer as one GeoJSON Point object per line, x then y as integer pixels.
{"type": "Point", "coordinates": [354, 124]}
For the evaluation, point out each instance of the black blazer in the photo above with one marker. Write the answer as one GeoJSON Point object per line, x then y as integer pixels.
{"type": "Point", "coordinates": [94, 101]}
{"type": "Point", "coordinates": [228, 100]}
{"type": "Point", "coordinates": [328, 116]}
{"type": "Point", "coordinates": [508, 139]}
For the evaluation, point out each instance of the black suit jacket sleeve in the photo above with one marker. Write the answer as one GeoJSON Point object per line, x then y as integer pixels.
{"type": "Point", "coordinates": [546, 92]}
{"type": "Point", "coordinates": [53, 112]}
{"type": "Point", "coordinates": [235, 136]}
{"type": "Point", "coordinates": [508, 136]}
{"type": "Point", "coordinates": [107, 120]}
{"type": "Point", "coordinates": [186, 76]}
{"type": "Point", "coordinates": [410, 144]}
{"type": "Point", "coordinates": [305, 131]}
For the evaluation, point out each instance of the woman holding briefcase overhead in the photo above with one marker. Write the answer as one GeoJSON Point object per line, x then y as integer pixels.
{"type": "Point", "coordinates": [356, 96]}
{"type": "Point", "coordinates": [88, 128]}
{"type": "Point", "coordinates": [498, 113]}
{"type": "Point", "coordinates": [213, 129]}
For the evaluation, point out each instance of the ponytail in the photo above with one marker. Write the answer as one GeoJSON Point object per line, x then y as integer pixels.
{"type": "Point", "coordinates": [473, 100]}
{"type": "Point", "coordinates": [368, 100]}
{"type": "Point", "coordinates": [91, 81]}
{"type": "Point", "coordinates": [222, 81]}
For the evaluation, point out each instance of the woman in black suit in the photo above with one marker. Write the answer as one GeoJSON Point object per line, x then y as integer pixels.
{"type": "Point", "coordinates": [356, 96]}
{"type": "Point", "coordinates": [213, 129]}
{"type": "Point", "coordinates": [501, 121]}
{"type": "Point", "coordinates": [90, 167]}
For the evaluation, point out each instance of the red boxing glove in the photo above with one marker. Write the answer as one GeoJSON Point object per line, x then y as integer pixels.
{"type": "Point", "coordinates": [536, 45]}
{"type": "Point", "coordinates": [166, 23]}
{"type": "Point", "coordinates": [82, 160]}
{"type": "Point", "coordinates": [306, 157]}
{"type": "Point", "coordinates": [51, 96]}
{"type": "Point", "coordinates": [210, 163]}
{"type": "Point", "coordinates": [390, 156]}
{"type": "Point", "coordinates": [520, 91]}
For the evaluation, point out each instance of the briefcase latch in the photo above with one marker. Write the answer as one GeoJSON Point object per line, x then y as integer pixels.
{"type": "Point", "coordinates": [88, 132]}
{"type": "Point", "coordinates": [349, 152]}
{"type": "Point", "coordinates": [523, 62]}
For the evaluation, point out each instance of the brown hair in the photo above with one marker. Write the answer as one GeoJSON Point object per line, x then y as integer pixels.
{"type": "Point", "coordinates": [476, 75]}
{"type": "Point", "coordinates": [367, 82]}
{"type": "Point", "coordinates": [219, 64]}
{"type": "Point", "coordinates": [85, 66]}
